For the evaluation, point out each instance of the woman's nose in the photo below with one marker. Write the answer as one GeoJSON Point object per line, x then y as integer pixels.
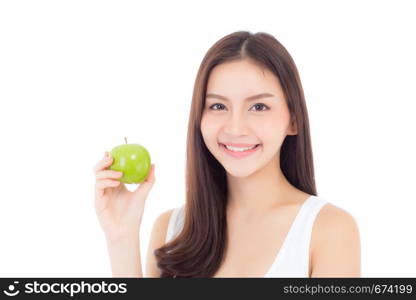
{"type": "Point", "coordinates": [235, 125]}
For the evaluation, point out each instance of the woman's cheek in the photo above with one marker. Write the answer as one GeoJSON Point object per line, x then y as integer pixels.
{"type": "Point", "coordinates": [211, 122]}
{"type": "Point", "coordinates": [208, 129]}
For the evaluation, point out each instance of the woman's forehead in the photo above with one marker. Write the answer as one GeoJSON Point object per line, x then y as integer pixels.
{"type": "Point", "coordinates": [242, 79]}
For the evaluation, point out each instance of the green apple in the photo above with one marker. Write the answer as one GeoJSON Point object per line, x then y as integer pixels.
{"type": "Point", "coordinates": [133, 160]}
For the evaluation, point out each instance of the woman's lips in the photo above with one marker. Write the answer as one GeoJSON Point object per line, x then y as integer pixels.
{"type": "Point", "coordinates": [240, 154]}
{"type": "Point", "coordinates": [239, 145]}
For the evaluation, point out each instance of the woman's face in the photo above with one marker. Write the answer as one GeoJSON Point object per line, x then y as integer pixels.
{"type": "Point", "coordinates": [230, 118]}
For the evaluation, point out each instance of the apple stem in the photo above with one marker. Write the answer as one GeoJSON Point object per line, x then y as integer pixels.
{"type": "Point", "coordinates": [125, 139]}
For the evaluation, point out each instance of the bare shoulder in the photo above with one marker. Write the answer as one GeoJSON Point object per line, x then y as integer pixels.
{"type": "Point", "coordinates": [157, 240]}
{"type": "Point", "coordinates": [335, 245]}
{"type": "Point", "coordinates": [160, 227]}
{"type": "Point", "coordinates": [331, 215]}
{"type": "Point", "coordinates": [163, 219]}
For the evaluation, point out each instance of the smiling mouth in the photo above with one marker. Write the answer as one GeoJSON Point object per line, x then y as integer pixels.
{"type": "Point", "coordinates": [239, 148]}
{"type": "Point", "coordinates": [236, 152]}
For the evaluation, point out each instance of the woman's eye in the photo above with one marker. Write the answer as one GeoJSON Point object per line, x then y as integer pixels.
{"type": "Point", "coordinates": [211, 107]}
{"type": "Point", "coordinates": [259, 106]}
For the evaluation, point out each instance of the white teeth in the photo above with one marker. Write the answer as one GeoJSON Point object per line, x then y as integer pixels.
{"type": "Point", "coordinates": [238, 149]}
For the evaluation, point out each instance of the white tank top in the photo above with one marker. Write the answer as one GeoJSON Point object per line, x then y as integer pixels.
{"type": "Point", "coordinates": [292, 259]}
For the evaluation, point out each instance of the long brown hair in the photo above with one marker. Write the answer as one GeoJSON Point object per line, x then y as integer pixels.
{"type": "Point", "coordinates": [198, 250]}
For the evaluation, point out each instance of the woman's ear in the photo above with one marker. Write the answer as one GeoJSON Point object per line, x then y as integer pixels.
{"type": "Point", "coordinates": [293, 128]}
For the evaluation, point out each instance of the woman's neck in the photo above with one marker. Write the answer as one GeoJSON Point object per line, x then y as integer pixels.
{"type": "Point", "coordinates": [260, 192]}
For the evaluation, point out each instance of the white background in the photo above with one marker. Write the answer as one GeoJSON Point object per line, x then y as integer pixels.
{"type": "Point", "coordinates": [76, 77]}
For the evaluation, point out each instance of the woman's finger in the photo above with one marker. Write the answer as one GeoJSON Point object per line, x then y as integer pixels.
{"type": "Point", "coordinates": [103, 163]}
{"type": "Point", "coordinates": [146, 185]}
{"type": "Point", "coordinates": [151, 177]}
{"type": "Point", "coordinates": [106, 183]}
{"type": "Point", "coordinates": [108, 174]}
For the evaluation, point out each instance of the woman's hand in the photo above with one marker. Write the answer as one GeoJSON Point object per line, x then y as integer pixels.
{"type": "Point", "coordinates": [119, 211]}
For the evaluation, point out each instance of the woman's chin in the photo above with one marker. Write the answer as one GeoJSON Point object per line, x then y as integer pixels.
{"type": "Point", "coordinates": [240, 173]}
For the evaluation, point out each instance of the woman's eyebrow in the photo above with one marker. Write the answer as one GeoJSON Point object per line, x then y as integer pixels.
{"type": "Point", "coordinates": [255, 97]}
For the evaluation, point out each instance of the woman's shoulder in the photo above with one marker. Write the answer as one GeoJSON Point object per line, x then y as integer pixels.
{"type": "Point", "coordinates": [335, 241]}
{"type": "Point", "coordinates": [161, 224]}
{"type": "Point", "coordinates": [164, 217]}
{"type": "Point", "coordinates": [334, 218]}
{"type": "Point", "coordinates": [167, 222]}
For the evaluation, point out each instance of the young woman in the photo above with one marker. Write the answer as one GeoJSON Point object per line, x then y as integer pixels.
{"type": "Point", "coordinates": [251, 207]}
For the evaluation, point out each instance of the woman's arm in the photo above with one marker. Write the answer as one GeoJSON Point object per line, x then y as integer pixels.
{"type": "Point", "coordinates": [336, 244]}
{"type": "Point", "coordinates": [125, 255]}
